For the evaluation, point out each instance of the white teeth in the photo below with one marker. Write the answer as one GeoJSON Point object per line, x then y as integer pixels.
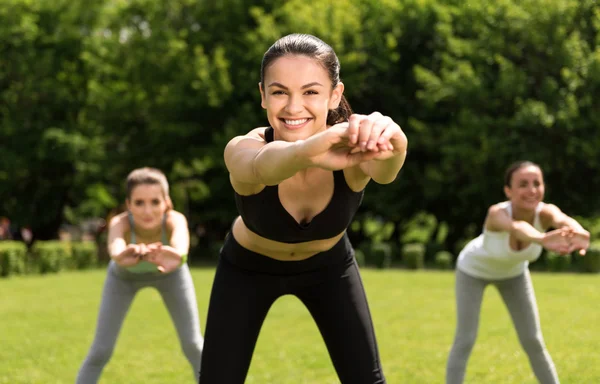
{"type": "Point", "coordinates": [295, 122]}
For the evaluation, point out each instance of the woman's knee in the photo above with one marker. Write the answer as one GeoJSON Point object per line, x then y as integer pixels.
{"type": "Point", "coordinates": [533, 345]}
{"type": "Point", "coordinates": [192, 349]}
{"type": "Point", "coordinates": [465, 341]}
{"type": "Point", "coordinates": [100, 355]}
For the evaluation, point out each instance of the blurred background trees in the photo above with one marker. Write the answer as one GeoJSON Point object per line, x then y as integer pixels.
{"type": "Point", "coordinates": [90, 90]}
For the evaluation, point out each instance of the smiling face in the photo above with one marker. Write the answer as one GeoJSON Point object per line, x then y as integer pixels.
{"type": "Point", "coordinates": [526, 187]}
{"type": "Point", "coordinates": [147, 204]}
{"type": "Point", "coordinates": [297, 94]}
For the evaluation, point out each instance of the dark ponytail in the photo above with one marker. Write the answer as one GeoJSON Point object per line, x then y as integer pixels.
{"type": "Point", "coordinates": [340, 114]}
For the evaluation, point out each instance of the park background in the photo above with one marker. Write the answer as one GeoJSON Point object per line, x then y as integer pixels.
{"type": "Point", "coordinates": [91, 90]}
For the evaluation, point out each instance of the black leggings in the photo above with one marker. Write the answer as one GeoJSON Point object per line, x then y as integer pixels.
{"type": "Point", "coordinates": [245, 286]}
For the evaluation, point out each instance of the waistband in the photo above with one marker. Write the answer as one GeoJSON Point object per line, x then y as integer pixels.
{"type": "Point", "coordinates": [243, 258]}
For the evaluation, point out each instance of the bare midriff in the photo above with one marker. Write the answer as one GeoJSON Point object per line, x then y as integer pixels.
{"type": "Point", "coordinates": [278, 250]}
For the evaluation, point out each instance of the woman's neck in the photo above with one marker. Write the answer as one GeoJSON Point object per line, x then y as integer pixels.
{"type": "Point", "coordinates": [527, 215]}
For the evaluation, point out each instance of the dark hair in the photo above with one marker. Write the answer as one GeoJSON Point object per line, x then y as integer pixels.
{"type": "Point", "coordinates": [317, 49]}
{"type": "Point", "coordinates": [516, 166]}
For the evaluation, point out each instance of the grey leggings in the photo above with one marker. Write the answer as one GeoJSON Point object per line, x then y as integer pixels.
{"type": "Point", "coordinates": [120, 287]}
{"type": "Point", "coordinates": [519, 297]}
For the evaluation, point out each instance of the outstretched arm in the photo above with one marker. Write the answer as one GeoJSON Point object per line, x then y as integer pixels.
{"type": "Point", "coordinates": [579, 238]}
{"type": "Point", "coordinates": [498, 220]}
{"type": "Point", "coordinates": [253, 163]}
{"type": "Point", "coordinates": [559, 219]}
{"type": "Point", "coordinates": [125, 255]}
{"type": "Point", "coordinates": [381, 134]}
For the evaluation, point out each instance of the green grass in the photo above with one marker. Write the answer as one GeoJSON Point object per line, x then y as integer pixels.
{"type": "Point", "coordinates": [47, 324]}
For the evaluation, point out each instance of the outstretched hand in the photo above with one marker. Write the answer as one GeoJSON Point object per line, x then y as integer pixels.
{"type": "Point", "coordinates": [165, 257]}
{"type": "Point", "coordinates": [557, 241]}
{"type": "Point", "coordinates": [130, 256]}
{"type": "Point", "coordinates": [566, 240]}
{"type": "Point", "coordinates": [579, 240]}
{"type": "Point", "coordinates": [376, 132]}
{"type": "Point", "coordinates": [347, 144]}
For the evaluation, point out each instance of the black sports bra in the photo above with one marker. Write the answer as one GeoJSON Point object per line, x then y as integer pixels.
{"type": "Point", "coordinates": [264, 214]}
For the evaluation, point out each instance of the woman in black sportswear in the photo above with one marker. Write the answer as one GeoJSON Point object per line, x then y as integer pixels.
{"type": "Point", "coordinates": [298, 184]}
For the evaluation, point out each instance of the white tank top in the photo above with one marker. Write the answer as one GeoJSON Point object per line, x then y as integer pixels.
{"type": "Point", "coordinates": [489, 256]}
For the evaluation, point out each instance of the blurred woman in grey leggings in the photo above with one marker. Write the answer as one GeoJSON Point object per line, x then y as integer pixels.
{"type": "Point", "coordinates": [148, 246]}
{"type": "Point", "coordinates": [513, 235]}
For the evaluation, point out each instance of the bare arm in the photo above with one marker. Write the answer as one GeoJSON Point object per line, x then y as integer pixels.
{"type": "Point", "coordinates": [180, 234]}
{"type": "Point", "coordinates": [123, 254]}
{"type": "Point", "coordinates": [116, 236]}
{"type": "Point", "coordinates": [385, 171]}
{"type": "Point", "coordinates": [253, 163]}
{"type": "Point", "coordinates": [498, 220]}
{"type": "Point", "coordinates": [558, 219]}
{"type": "Point", "coordinates": [578, 237]}
{"type": "Point", "coordinates": [383, 136]}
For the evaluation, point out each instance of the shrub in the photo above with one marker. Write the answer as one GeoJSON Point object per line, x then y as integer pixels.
{"type": "Point", "coordinates": [556, 262]}
{"type": "Point", "coordinates": [84, 255]}
{"type": "Point", "coordinates": [50, 256]}
{"type": "Point", "coordinates": [443, 260]}
{"type": "Point", "coordinates": [591, 260]}
{"type": "Point", "coordinates": [413, 255]}
{"type": "Point", "coordinates": [381, 255]}
{"type": "Point", "coordinates": [374, 254]}
{"type": "Point", "coordinates": [13, 256]}
{"type": "Point", "coordinates": [359, 255]}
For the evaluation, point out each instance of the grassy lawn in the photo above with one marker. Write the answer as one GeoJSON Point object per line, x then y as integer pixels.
{"type": "Point", "coordinates": [47, 325]}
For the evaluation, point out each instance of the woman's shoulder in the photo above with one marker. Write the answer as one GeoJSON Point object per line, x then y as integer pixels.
{"type": "Point", "coordinates": [497, 217]}
{"type": "Point", "coordinates": [119, 219]}
{"type": "Point", "coordinates": [547, 213]}
{"type": "Point", "coordinates": [174, 218]}
{"type": "Point", "coordinates": [256, 138]}
{"type": "Point", "coordinates": [120, 223]}
{"type": "Point", "coordinates": [258, 133]}
{"type": "Point", "coordinates": [499, 208]}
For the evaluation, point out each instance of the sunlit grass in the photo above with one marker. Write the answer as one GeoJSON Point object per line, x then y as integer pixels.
{"type": "Point", "coordinates": [47, 324]}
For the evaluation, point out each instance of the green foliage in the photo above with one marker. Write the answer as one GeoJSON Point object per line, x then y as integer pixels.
{"type": "Point", "coordinates": [46, 142]}
{"type": "Point", "coordinates": [413, 255]}
{"type": "Point", "coordinates": [84, 255]}
{"type": "Point", "coordinates": [360, 257]}
{"type": "Point", "coordinates": [419, 229]}
{"type": "Point", "coordinates": [443, 260]}
{"type": "Point", "coordinates": [506, 81]}
{"type": "Point", "coordinates": [375, 254]}
{"type": "Point", "coordinates": [380, 254]}
{"type": "Point", "coordinates": [89, 91]}
{"type": "Point", "coordinates": [376, 229]}
{"type": "Point", "coordinates": [591, 224]}
{"type": "Point", "coordinates": [591, 260]}
{"type": "Point", "coordinates": [556, 262]}
{"type": "Point", "coordinates": [13, 256]}
{"type": "Point", "coordinates": [50, 256]}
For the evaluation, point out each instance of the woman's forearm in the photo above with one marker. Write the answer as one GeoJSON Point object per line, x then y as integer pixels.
{"type": "Point", "coordinates": [278, 161]}
{"type": "Point", "coordinates": [524, 231]}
